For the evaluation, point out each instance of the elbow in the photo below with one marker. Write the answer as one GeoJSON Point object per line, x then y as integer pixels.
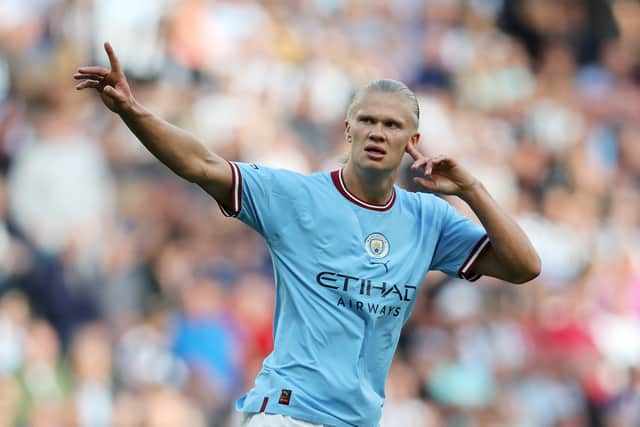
{"type": "Point", "coordinates": [529, 271]}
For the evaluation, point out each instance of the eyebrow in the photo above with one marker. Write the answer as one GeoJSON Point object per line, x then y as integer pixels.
{"type": "Point", "coordinates": [363, 116]}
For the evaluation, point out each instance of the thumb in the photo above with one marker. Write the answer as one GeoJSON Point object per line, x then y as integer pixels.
{"type": "Point", "coordinates": [115, 94]}
{"type": "Point", "coordinates": [429, 185]}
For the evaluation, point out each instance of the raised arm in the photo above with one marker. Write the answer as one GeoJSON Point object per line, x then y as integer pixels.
{"type": "Point", "coordinates": [176, 148]}
{"type": "Point", "coordinates": [510, 256]}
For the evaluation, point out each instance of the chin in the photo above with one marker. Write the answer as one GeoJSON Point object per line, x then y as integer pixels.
{"type": "Point", "coordinates": [377, 165]}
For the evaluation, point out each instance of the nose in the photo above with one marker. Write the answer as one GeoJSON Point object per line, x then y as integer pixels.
{"type": "Point", "coordinates": [376, 134]}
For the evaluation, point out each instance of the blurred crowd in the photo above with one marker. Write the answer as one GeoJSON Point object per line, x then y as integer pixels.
{"type": "Point", "coordinates": [128, 300]}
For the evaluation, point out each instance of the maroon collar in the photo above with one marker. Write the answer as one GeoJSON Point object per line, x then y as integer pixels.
{"type": "Point", "coordinates": [336, 177]}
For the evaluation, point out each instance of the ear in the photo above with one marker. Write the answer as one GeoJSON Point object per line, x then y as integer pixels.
{"type": "Point", "coordinates": [412, 147]}
{"type": "Point", "coordinates": [347, 131]}
{"type": "Point", "coordinates": [414, 140]}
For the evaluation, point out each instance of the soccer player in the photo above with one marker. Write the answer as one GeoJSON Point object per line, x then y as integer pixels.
{"type": "Point", "coordinates": [349, 248]}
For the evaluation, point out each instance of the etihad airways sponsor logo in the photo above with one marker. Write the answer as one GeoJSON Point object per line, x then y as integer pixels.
{"type": "Point", "coordinates": [365, 287]}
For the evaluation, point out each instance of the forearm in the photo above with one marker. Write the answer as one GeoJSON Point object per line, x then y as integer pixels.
{"type": "Point", "coordinates": [176, 148]}
{"type": "Point", "coordinates": [517, 260]}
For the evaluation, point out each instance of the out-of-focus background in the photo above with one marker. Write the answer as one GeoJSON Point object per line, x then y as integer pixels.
{"type": "Point", "coordinates": [127, 299]}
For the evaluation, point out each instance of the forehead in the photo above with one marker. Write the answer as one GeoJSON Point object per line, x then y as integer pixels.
{"type": "Point", "coordinates": [385, 105]}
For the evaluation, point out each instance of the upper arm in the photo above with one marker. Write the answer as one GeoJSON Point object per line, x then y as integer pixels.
{"type": "Point", "coordinates": [259, 196]}
{"type": "Point", "coordinates": [475, 253]}
{"type": "Point", "coordinates": [488, 264]}
{"type": "Point", "coordinates": [460, 242]}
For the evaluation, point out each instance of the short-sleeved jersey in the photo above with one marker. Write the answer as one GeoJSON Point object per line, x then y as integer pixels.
{"type": "Point", "coordinates": [347, 275]}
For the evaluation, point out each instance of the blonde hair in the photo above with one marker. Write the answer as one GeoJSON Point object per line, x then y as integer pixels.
{"type": "Point", "coordinates": [387, 86]}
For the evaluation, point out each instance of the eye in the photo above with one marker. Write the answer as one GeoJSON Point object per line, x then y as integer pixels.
{"type": "Point", "coordinates": [366, 120]}
{"type": "Point", "coordinates": [393, 125]}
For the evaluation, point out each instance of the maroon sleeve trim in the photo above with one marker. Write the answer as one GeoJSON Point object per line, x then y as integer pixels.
{"type": "Point", "coordinates": [236, 192]}
{"type": "Point", "coordinates": [264, 404]}
{"type": "Point", "coordinates": [467, 266]}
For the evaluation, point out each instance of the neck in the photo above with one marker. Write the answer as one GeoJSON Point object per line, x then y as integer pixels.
{"type": "Point", "coordinates": [375, 187]}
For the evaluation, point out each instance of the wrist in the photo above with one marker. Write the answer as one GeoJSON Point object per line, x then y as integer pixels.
{"type": "Point", "coordinates": [470, 192]}
{"type": "Point", "coordinates": [132, 111]}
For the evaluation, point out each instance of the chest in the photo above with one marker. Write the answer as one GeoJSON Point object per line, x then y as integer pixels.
{"type": "Point", "coordinates": [380, 251]}
{"type": "Point", "coordinates": [367, 262]}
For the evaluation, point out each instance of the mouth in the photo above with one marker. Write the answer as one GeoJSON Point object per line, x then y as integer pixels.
{"type": "Point", "coordinates": [375, 152]}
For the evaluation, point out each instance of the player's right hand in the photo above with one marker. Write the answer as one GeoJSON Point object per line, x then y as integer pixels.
{"type": "Point", "coordinates": [111, 84]}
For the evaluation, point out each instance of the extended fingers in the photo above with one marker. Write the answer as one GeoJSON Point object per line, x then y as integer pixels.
{"type": "Point", "coordinates": [83, 76]}
{"type": "Point", "coordinates": [428, 185]}
{"type": "Point", "coordinates": [100, 71]}
{"type": "Point", "coordinates": [419, 163]}
{"type": "Point", "coordinates": [426, 163]}
{"type": "Point", "coordinates": [88, 84]}
{"type": "Point", "coordinates": [428, 168]}
{"type": "Point", "coordinates": [413, 151]}
{"type": "Point", "coordinates": [113, 59]}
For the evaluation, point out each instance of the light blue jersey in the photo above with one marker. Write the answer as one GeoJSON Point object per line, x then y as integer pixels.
{"type": "Point", "coordinates": [347, 275]}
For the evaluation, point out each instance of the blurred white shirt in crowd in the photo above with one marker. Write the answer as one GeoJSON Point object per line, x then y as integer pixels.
{"type": "Point", "coordinates": [58, 189]}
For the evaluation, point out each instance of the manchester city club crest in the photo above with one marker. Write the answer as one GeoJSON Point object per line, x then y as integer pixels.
{"type": "Point", "coordinates": [376, 245]}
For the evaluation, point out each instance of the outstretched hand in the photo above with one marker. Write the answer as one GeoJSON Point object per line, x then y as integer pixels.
{"type": "Point", "coordinates": [111, 84]}
{"type": "Point", "coordinates": [443, 175]}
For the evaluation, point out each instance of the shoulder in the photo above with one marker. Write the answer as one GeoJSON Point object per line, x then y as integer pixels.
{"type": "Point", "coordinates": [430, 208]}
{"type": "Point", "coordinates": [422, 200]}
{"type": "Point", "coordinates": [280, 178]}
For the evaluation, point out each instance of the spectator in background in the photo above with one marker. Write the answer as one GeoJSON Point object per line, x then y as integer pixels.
{"type": "Point", "coordinates": [43, 378]}
{"type": "Point", "coordinates": [91, 364]}
{"type": "Point", "coordinates": [62, 173]}
{"type": "Point", "coordinates": [205, 336]}
{"type": "Point", "coordinates": [15, 258]}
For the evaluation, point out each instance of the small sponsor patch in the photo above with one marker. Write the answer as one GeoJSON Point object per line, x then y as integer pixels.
{"type": "Point", "coordinates": [285, 397]}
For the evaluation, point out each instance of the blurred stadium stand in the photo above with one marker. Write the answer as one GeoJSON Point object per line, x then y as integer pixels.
{"type": "Point", "coordinates": [126, 299]}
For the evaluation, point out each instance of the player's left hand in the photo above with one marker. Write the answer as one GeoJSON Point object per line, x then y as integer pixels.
{"type": "Point", "coordinates": [443, 175]}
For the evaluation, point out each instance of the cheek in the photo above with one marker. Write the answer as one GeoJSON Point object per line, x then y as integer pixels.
{"type": "Point", "coordinates": [400, 143]}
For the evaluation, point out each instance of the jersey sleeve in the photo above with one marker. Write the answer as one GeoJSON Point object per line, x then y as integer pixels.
{"type": "Point", "coordinates": [258, 195]}
{"type": "Point", "coordinates": [459, 245]}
